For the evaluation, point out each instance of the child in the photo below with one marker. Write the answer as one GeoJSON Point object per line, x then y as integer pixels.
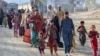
{"type": "Point", "coordinates": [73, 45]}
{"type": "Point", "coordinates": [41, 43]}
{"type": "Point", "coordinates": [82, 33]}
{"type": "Point", "coordinates": [52, 43]}
{"type": "Point", "coordinates": [93, 35]}
{"type": "Point", "coordinates": [15, 25]}
{"type": "Point", "coordinates": [5, 21]}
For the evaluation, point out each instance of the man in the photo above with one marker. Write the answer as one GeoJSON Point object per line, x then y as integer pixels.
{"type": "Point", "coordinates": [67, 29]}
{"type": "Point", "coordinates": [60, 14]}
{"type": "Point", "coordinates": [1, 16]}
{"type": "Point", "coordinates": [50, 14]}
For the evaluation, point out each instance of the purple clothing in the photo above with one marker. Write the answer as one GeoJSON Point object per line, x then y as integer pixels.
{"type": "Point", "coordinates": [15, 22]}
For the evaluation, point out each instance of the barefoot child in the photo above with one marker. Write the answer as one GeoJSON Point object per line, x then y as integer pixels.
{"type": "Point", "coordinates": [41, 43]}
{"type": "Point", "coordinates": [93, 35]}
{"type": "Point", "coordinates": [52, 43]}
{"type": "Point", "coordinates": [15, 25]}
{"type": "Point", "coordinates": [82, 33]}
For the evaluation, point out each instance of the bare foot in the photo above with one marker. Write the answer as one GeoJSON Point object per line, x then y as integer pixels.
{"type": "Point", "coordinates": [56, 54]}
{"type": "Point", "coordinates": [31, 46]}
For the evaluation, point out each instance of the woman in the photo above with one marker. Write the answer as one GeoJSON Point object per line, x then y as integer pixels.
{"type": "Point", "coordinates": [35, 26]}
{"type": "Point", "coordinates": [38, 21]}
{"type": "Point", "coordinates": [22, 24]}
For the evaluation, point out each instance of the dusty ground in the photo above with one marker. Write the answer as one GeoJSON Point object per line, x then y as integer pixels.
{"type": "Point", "coordinates": [12, 46]}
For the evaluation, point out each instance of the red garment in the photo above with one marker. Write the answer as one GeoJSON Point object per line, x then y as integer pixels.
{"type": "Point", "coordinates": [38, 21]}
{"type": "Point", "coordinates": [52, 38]}
{"type": "Point", "coordinates": [93, 41]}
{"type": "Point", "coordinates": [27, 36]}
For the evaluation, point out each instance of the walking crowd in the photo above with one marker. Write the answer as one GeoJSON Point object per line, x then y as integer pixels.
{"type": "Point", "coordinates": [41, 32]}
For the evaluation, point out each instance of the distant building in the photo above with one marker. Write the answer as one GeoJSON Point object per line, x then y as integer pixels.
{"type": "Point", "coordinates": [67, 5]}
{"type": "Point", "coordinates": [4, 6]}
{"type": "Point", "coordinates": [25, 6]}
{"type": "Point", "coordinates": [13, 5]}
{"type": "Point", "coordinates": [84, 5]}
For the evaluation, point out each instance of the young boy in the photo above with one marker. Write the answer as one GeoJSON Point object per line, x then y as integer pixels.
{"type": "Point", "coordinates": [82, 33]}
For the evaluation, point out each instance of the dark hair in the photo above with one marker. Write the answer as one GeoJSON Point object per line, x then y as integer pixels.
{"type": "Point", "coordinates": [41, 33]}
{"type": "Point", "coordinates": [67, 13]}
{"type": "Point", "coordinates": [82, 22]}
{"type": "Point", "coordinates": [51, 21]}
{"type": "Point", "coordinates": [93, 26]}
{"type": "Point", "coordinates": [28, 15]}
{"type": "Point", "coordinates": [32, 7]}
{"type": "Point", "coordinates": [36, 9]}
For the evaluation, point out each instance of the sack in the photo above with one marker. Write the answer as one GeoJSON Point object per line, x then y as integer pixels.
{"type": "Point", "coordinates": [60, 44]}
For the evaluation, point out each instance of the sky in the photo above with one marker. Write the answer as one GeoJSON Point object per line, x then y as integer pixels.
{"type": "Point", "coordinates": [25, 1]}
{"type": "Point", "coordinates": [98, 1]}
{"type": "Point", "coordinates": [18, 1]}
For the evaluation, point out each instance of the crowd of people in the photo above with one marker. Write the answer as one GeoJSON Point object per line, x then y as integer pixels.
{"type": "Point", "coordinates": [35, 29]}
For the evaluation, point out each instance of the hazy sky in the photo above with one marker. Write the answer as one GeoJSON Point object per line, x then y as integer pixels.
{"type": "Point", "coordinates": [25, 1]}
{"type": "Point", "coordinates": [17, 1]}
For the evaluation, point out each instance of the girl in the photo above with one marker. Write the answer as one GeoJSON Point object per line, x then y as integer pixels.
{"type": "Point", "coordinates": [15, 25]}
{"type": "Point", "coordinates": [93, 35]}
{"type": "Point", "coordinates": [41, 41]}
{"type": "Point", "coordinates": [82, 33]}
{"type": "Point", "coordinates": [52, 43]}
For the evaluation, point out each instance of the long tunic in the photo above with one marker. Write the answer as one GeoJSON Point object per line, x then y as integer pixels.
{"type": "Point", "coordinates": [52, 36]}
{"type": "Point", "coordinates": [38, 22]}
{"type": "Point", "coordinates": [82, 34]}
{"type": "Point", "coordinates": [93, 40]}
{"type": "Point", "coordinates": [41, 44]}
{"type": "Point", "coordinates": [23, 20]}
{"type": "Point", "coordinates": [67, 27]}
{"type": "Point", "coordinates": [60, 15]}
